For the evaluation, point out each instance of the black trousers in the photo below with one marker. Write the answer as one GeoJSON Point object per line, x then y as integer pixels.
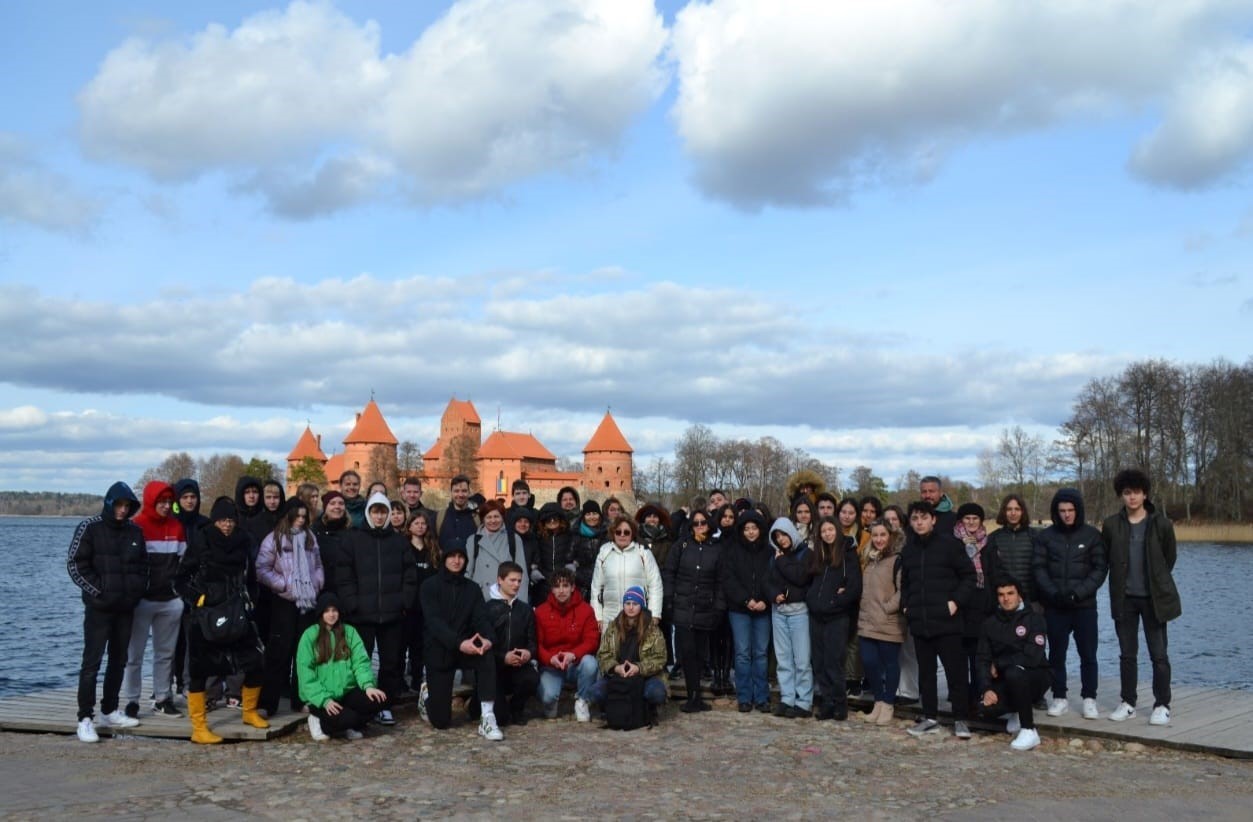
{"type": "Point", "coordinates": [517, 684]}
{"type": "Point", "coordinates": [390, 639]}
{"type": "Point", "coordinates": [1017, 689]}
{"type": "Point", "coordinates": [103, 631]}
{"type": "Point", "coordinates": [249, 679]}
{"type": "Point", "coordinates": [828, 651]}
{"type": "Point", "coordinates": [692, 648]}
{"type": "Point", "coordinates": [286, 626]}
{"type": "Point", "coordinates": [439, 685]}
{"type": "Point", "coordinates": [355, 710]}
{"type": "Point", "coordinates": [414, 642]}
{"type": "Point", "coordinates": [951, 655]}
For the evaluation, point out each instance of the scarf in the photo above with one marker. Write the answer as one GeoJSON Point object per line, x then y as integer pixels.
{"type": "Point", "coordinates": [974, 550]}
{"type": "Point", "coordinates": [302, 578]}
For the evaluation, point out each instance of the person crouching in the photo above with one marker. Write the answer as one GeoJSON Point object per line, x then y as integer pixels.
{"type": "Point", "coordinates": [1011, 664]}
{"type": "Point", "coordinates": [335, 676]}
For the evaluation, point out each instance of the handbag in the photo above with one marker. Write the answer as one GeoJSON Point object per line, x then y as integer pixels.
{"type": "Point", "coordinates": [227, 621]}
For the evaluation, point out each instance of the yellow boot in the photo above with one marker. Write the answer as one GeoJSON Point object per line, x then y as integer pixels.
{"type": "Point", "coordinates": [251, 696]}
{"type": "Point", "coordinates": [199, 724]}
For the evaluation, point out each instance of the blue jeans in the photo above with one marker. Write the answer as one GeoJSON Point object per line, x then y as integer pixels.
{"type": "Point", "coordinates": [881, 661]}
{"type": "Point", "coordinates": [751, 632]}
{"type": "Point", "coordinates": [791, 652]}
{"type": "Point", "coordinates": [1061, 624]}
{"type": "Point", "coordinates": [655, 691]}
{"type": "Point", "coordinates": [582, 675]}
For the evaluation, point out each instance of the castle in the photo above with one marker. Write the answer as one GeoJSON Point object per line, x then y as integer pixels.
{"type": "Point", "coordinates": [492, 464]}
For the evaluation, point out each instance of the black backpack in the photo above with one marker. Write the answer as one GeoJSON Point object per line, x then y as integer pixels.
{"type": "Point", "coordinates": [625, 709]}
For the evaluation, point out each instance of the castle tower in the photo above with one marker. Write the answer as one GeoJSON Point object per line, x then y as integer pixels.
{"type": "Point", "coordinates": [370, 449]}
{"type": "Point", "coordinates": [308, 446]}
{"type": "Point", "coordinates": [460, 437]}
{"type": "Point", "coordinates": [607, 460]}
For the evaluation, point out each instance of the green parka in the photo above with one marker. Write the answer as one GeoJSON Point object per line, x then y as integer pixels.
{"type": "Point", "coordinates": [1159, 556]}
{"type": "Point", "coordinates": [333, 679]}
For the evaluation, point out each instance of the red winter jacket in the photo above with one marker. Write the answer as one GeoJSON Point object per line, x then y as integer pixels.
{"type": "Point", "coordinates": [571, 627]}
{"type": "Point", "coordinates": [165, 540]}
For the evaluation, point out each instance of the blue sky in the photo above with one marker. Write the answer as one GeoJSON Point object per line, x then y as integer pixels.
{"type": "Point", "coordinates": [880, 232]}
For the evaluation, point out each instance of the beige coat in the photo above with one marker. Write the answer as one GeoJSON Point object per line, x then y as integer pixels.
{"type": "Point", "coordinates": [880, 616]}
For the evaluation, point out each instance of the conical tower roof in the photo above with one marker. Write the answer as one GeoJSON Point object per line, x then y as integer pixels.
{"type": "Point", "coordinates": [306, 446]}
{"type": "Point", "coordinates": [371, 428]}
{"type": "Point", "coordinates": [608, 437]}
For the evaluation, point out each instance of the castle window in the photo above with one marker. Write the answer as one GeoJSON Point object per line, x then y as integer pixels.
{"type": "Point", "coordinates": [356, 464]}
{"type": "Point", "coordinates": [600, 470]}
{"type": "Point", "coordinates": [606, 483]}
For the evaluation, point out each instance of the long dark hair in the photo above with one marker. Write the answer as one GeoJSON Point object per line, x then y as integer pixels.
{"type": "Point", "coordinates": [430, 542]}
{"type": "Point", "coordinates": [643, 624]}
{"type": "Point", "coordinates": [824, 555]}
{"type": "Point", "coordinates": [324, 649]}
{"type": "Point", "coordinates": [1022, 503]}
{"type": "Point", "coordinates": [283, 528]}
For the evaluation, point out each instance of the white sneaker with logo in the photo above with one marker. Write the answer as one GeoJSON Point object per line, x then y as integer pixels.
{"type": "Point", "coordinates": [1160, 716]}
{"type": "Point", "coordinates": [87, 730]}
{"type": "Point", "coordinates": [1027, 739]}
{"type": "Point", "coordinates": [315, 729]}
{"type": "Point", "coordinates": [488, 728]}
{"type": "Point", "coordinates": [1122, 713]}
{"type": "Point", "coordinates": [1090, 711]}
{"type": "Point", "coordinates": [117, 719]}
{"type": "Point", "coordinates": [582, 711]}
{"type": "Point", "coordinates": [1058, 707]}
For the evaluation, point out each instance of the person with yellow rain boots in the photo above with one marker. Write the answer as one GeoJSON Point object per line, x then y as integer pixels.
{"type": "Point", "coordinates": [221, 636]}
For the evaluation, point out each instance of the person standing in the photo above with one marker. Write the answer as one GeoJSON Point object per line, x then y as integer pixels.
{"type": "Point", "coordinates": [832, 601]}
{"type": "Point", "coordinates": [937, 581]}
{"type": "Point", "coordinates": [931, 490]}
{"type": "Point", "coordinates": [694, 601]}
{"type": "Point", "coordinates": [1069, 566]}
{"type": "Point", "coordinates": [880, 623]}
{"type": "Point", "coordinates": [109, 564]}
{"type": "Point", "coordinates": [1141, 543]}
{"type": "Point", "coordinates": [786, 585]}
{"type": "Point", "coordinates": [455, 524]}
{"type": "Point", "coordinates": [744, 573]}
{"type": "Point", "coordinates": [1014, 543]}
{"type": "Point", "coordinates": [354, 503]}
{"type": "Point", "coordinates": [492, 545]}
{"type": "Point", "coordinates": [160, 612]}
{"type": "Point", "coordinates": [621, 563]}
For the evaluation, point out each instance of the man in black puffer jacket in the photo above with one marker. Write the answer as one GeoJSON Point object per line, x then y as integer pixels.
{"type": "Point", "coordinates": [1012, 672]}
{"type": "Point", "coordinates": [514, 642]}
{"type": "Point", "coordinates": [109, 562]}
{"type": "Point", "coordinates": [1069, 565]}
{"type": "Point", "coordinates": [937, 582]}
{"type": "Point", "coordinates": [378, 583]}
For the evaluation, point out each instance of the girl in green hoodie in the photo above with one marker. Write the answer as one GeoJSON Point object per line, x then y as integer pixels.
{"type": "Point", "coordinates": [335, 676]}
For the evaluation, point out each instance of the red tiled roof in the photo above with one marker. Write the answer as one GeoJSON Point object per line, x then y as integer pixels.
{"type": "Point", "coordinates": [371, 428]}
{"type": "Point", "coordinates": [463, 410]}
{"type": "Point", "coordinates": [435, 451]}
{"type": "Point", "coordinates": [306, 446]}
{"type": "Point", "coordinates": [608, 437]}
{"type": "Point", "coordinates": [334, 467]}
{"type": "Point", "coordinates": [506, 445]}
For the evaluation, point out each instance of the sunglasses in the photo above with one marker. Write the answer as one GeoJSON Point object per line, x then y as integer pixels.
{"type": "Point", "coordinates": [697, 523]}
{"type": "Point", "coordinates": [622, 532]}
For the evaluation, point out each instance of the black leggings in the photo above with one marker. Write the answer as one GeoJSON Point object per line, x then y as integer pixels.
{"type": "Point", "coordinates": [355, 710]}
{"type": "Point", "coordinates": [1017, 689]}
{"type": "Point", "coordinates": [693, 649]}
{"type": "Point", "coordinates": [439, 685]}
{"type": "Point", "coordinates": [252, 679]}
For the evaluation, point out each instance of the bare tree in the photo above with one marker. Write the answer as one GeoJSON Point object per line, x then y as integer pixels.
{"type": "Point", "coordinates": [218, 475]}
{"type": "Point", "coordinates": [408, 458]}
{"type": "Point", "coordinates": [172, 469]}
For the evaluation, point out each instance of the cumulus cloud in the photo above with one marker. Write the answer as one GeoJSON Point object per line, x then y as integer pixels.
{"type": "Point", "coordinates": [800, 103]}
{"type": "Point", "coordinates": [33, 194]}
{"type": "Point", "coordinates": [305, 109]}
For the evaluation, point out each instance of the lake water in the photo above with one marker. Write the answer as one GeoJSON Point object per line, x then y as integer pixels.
{"type": "Point", "coordinates": [1211, 644]}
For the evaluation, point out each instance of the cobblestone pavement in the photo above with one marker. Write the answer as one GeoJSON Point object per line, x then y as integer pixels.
{"type": "Point", "coordinates": [714, 765]}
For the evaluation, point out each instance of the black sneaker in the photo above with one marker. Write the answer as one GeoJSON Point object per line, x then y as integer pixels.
{"type": "Point", "coordinates": [745, 707]}
{"type": "Point", "coordinates": [132, 710]}
{"type": "Point", "coordinates": [762, 707]}
{"type": "Point", "coordinates": [166, 708]}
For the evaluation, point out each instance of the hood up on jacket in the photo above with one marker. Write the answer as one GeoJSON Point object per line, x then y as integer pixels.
{"type": "Point", "coordinates": [786, 526]}
{"type": "Point", "coordinates": [185, 516]}
{"type": "Point", "coordinates": [155, 526]}
{"type": "Point", "coordinates": [377, 498]}
{"type": "Point", "coordinates": [802, 478]}
{"type": "Point", "coordinates": [663, 516]}
{"type": "Point", "coordinates": [1068, 495]}
{"type": "Point", "coordinates": [754, 516]}
{"type": "Point", "coordinates": [118, 492]}
{"type": "Point", "coordinates": [242, 484]}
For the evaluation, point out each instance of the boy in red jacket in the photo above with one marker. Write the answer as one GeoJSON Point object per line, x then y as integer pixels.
{"type": "Point", "coordinates": [568, 636]}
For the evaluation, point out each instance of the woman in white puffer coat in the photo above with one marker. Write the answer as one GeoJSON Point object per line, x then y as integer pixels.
{"type": "Point", "coordinates": [619, 565]}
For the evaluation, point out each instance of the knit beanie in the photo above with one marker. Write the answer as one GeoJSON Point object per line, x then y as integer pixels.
{"type": "Point", "coordinates": [330, 495]}
{"type": "Point", "coordinates": [968, 508]}
{"type": "Point", "coordinates": [223, 508]}
{"type": "Point", "coordinates": [635, 594]}
{"type": "Point", "coordinates": [591, 506]}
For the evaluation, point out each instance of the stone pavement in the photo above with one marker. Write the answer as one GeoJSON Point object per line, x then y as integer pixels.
{"type": "Point", "coordinates": [715, 765]}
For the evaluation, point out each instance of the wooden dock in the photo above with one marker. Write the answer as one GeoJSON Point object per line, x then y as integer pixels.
{"type": "Point", "coordinates": [56, 711]}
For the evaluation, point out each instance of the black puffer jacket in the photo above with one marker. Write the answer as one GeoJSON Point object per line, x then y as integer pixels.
{"type": "Point", "coordinates": [1014, 549]}
{"type": "Point", "coordinates": [107, 558]}
{"type": "Point", "coordinates": [453, 610]}
{"type": "Point", "coordinates": [836, 591]}
{"type": "Point", "coordinates": [584, 550]}
{"type": "Point", "coordinates": [1069, 563]}
{"type": "Point", "coordinates": [330, 536]}
{"type": "Point", "coordinates": [692, 581]}
{"type": "Point", "coordinates": [377, 579]}
{"type": "Point", "coordinates": [513, 626]}
{"type": "Point", "coordinates": [745, 566]}
{"type": "Point", "coordinates": [934, 571]}
{"type": "Point", "coordinates": [214, 566]}
{"type": "Point", "coordinates": [1008, 639]}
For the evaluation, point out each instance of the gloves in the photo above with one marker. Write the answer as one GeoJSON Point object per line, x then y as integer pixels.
{"type": "Point", "coordinates": [537, 575]}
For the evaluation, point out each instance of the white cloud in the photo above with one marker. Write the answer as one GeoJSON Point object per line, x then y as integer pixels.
{"type": "Point", "coordinates": [33, 194]}
{"type": "Point", "coordinates": [303, 107]}
{"type": "Point", "coordinates": [801, 102]}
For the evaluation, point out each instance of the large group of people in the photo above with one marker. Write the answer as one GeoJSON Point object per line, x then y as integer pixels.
{"type": "Point", "coordinates": [268, 598]}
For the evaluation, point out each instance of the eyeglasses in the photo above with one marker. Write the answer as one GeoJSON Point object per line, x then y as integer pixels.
{"type": "Point", "coordinates": [697, 523]}
{"type": "Point", "coordinates": [623, 532]}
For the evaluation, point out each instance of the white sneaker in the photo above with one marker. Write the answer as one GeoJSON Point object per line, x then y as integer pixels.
{"type": "Point", "coordinates": [87, 730]}
{"type": "Point", "coordinates": [1090, 711]}
{"type": "Point", "coordinates": [117, 719]}
{"type": "Point", "coordinates": [582, 711]}
{"type": "Point", "coordinates": [1058, 707]}
{"type": "Point", "coordinates": [1013, 725]}
{"type": "Point", "coordinates": [423, 695]}
{"type": "Point", "coordinates": [1122, 713]}
{"type": "Point", "coordinates": [488, 728]}
{"type": "Point", "coordinates": [353, 734]}
{"type": "Point", "coordinates": [1027, 739]}
{"type": "Point", "coordinates": [315, 729]}
{"type": "Point", "coordinates": [1160, 716]}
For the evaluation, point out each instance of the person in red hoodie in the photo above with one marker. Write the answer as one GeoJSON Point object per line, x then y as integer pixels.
{"type": "Point", "coordinates": [568, 636]}
{"type": "Point", "coordinates": [160, 611]}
